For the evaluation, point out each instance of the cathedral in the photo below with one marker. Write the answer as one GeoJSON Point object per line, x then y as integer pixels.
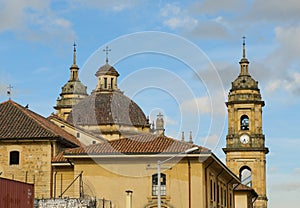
{"type": "Point", "coordinates": [102, 145]}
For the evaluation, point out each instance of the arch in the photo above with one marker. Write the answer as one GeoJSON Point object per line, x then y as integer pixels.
{"type": "Point", "coordinates": [14, 158]}
{"type": "Point", "coordinates": [244, 122]}
{"type": "Point", "coordinates": [246, 176]}
{"type": "Point", "coordinates": [153, 204]}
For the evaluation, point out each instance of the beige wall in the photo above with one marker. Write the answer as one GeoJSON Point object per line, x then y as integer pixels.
{"type": "Point", "coordinates": [35, 161]}
{"type": "Point", "coordinates": [109, 178]}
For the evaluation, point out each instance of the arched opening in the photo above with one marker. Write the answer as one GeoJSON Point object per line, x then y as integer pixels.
{"type": "Point", "coordinates": [246, 176]}
{"type": "Point", "coordinates": [14, 158]}
{"type": "Point", "coordinates": [162, 184]}
{"type": "Point", "coordinates": [244, 122]}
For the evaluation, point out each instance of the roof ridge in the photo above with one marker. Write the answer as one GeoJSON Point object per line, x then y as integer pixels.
{"type": "Point", "coordinates": [35, 118]}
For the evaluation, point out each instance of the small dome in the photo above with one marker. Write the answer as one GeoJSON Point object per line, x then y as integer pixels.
{"type": "Point", "coordinates": [107, 109]}
{"type": "Point", "coordinates": [74, 87]}
{"type": "Point", "coordinates": [244, 82]}
{"type": "Point", "coordinates": [107, 70]}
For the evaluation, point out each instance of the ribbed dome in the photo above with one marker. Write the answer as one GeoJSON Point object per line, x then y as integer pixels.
{"type": "Point", "coordinates": [107, 70]}
{"type": "Point", "coordinates": [74, 87]}
{"type": "Point", "coordinates": [244, 82]}
{"type": "Point", "coordinates": [107, 109]}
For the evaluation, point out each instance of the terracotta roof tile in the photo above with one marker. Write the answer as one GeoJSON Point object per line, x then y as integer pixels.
{"type": "Point", "coordinates": [141, 144]}
{"type": "Point", "coordinates": [17, 122]}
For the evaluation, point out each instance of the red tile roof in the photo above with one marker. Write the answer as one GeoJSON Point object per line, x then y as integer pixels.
{"type": "Point", "coordinates": [17, 122]}
{"type": "Point", "coordinates": [141, 144]}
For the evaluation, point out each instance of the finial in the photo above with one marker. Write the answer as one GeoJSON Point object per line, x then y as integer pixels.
{"type": "Point", "coordinates": [106, 50]}
{"type": "Point", "coordinates": [74, 55]}
{"type": "Point", "coordinates": [182, 136]}
{"type": "Point", "coordinates": [191, 138]}
{"type": "Point", "coordinates": [244, 47]}
{"type": "Point", "coordinates": [9, 88]}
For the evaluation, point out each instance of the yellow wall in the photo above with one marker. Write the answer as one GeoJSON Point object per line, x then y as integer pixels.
{"type": "Point", "coordinates": [109, 178]}
{"type": "Point", "coordinates": [35, 160]}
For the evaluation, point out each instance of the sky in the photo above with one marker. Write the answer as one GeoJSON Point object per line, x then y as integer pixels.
{"type": "Point", "coordinates": [174, 57]}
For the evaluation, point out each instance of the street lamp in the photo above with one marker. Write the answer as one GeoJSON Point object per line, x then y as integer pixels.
{"type": "Point", "coordinates": [158, 172]}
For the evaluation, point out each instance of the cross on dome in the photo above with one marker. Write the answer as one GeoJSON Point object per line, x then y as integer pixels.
{"type": "Point", "coordinates": [106, 50]}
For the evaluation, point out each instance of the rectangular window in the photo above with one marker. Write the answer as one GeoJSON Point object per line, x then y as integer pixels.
{"type": "Point", "coordinates": [105, 83]}
{"type": "Point", "coordinates": [112, 83]}
{"type": "Point", "coordinates": [162, 184]}
{"type": "Point", "coordinates": [14, 158]}
{"type": "Point", "coordinates": [211, 190]}
{"type": "Point", "coordinates": [214, 191]}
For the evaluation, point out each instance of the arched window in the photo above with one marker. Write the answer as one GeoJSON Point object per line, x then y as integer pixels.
{"type": "Point", "coordinates": [14, 158]}
{"type": "Point", "coordinates": [246, 176]}
{"type": "Point", "coordinates": [244, 122]}
{"type": "Point", "coordinates": [162, 184]}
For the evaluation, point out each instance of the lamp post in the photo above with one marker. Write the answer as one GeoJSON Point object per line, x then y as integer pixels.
{"type": "Point", "coordinates": [159, 171]}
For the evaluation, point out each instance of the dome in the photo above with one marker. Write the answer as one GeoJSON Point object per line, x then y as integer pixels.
{"type": "Point", "coordinates": [244, 82]}
{"type": "Point", "coordinates": [74, 87]}
{"type": "Point", "coordinates": [107, 70]}
{"type": "Point", "coordinates": [107, 109]}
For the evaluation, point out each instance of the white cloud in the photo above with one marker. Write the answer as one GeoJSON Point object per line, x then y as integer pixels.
{"type": "Point", "coordinates": [205, 105]}
{"type": "Point", "coordinates": [177, 18]}
{"type": "Point", "coordinates": [34, 20]}
{"type": "Point", "coordinates": [109, 5]}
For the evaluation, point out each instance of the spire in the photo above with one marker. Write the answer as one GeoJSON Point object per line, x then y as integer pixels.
{"type": "Point", "coordinates": [74, 68]}
{"type": "Point", "coordinates": [74, 54]}
{"type": "Point", "coordinates": [191, 138]}
{"type": "Point", "coordinates": [244, 47]}
{"type": "Point", "coordinates": [244, 61]}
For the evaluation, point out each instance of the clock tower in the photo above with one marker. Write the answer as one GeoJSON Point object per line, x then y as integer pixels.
{"type": "Point", "coordinates": [245, 142]}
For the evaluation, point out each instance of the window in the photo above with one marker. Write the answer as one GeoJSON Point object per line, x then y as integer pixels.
{"type": "Point", "coordinates": [112, 83]}
{"type": "Point", "coordinates": [246, 176]}
{"type": "Point", "coordinates": [162, 184]}
{"type": "Point", "coordinates": [14, 158]}
{"type": "Point", "coordinates": [244, 122]}
{"type": "Point", "coordinates": [211, 190]}
{"type": "Point", "coordinates": [105, 83]}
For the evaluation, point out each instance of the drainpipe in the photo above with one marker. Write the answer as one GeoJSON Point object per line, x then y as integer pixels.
{"type": "Point", "coordinates": [54, 184]}
{"type": "Point", "coordinates": [189, 175]}
{"type": "Point", "coordinates": [128, 199]}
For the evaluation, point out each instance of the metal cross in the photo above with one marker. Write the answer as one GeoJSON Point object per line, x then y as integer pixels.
{"type": "Point", "coordinates": [9, 88]}
{"type": "Point", "coordinates": [106, 50]}
{"type": "Point", "coordinates": [244, 38]}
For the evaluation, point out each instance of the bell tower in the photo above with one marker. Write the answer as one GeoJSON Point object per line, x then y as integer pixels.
{"type": "Point", "coordinates": [245, 142]}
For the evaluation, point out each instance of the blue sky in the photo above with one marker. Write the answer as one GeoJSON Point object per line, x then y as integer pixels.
{"type": "Point", "coordinates": [182, 68]}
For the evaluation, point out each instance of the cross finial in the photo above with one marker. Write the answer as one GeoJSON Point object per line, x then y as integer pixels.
{"type": "Point", "coordinates": [106, 50]}
{"type": "Point", "coordinates": [244, 47]}
{"type": "Point", "coordinates": [74, 55]}
{"type": "Point", "coordinates": [9, 88]}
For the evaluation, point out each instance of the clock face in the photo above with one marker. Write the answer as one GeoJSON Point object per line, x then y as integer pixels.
{"type": "Point", "coordinates": [244, 138]}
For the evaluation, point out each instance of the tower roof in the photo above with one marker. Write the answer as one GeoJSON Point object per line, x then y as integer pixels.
{"type": "Point", "coordinates": [244, 80]}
